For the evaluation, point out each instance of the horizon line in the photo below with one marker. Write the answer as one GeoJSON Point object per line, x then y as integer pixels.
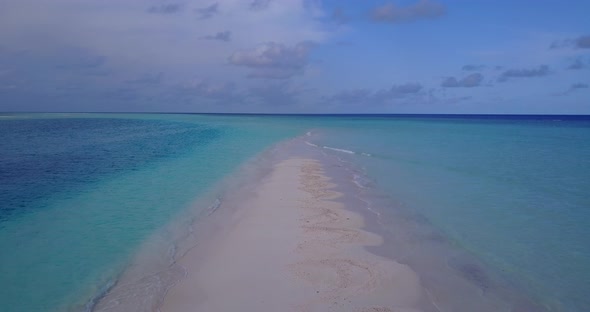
{"type": "Point", "coordinates": [310, 114]}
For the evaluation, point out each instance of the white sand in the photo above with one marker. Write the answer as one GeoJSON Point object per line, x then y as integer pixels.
{"type": "Point", "coordinates": [292, 248]}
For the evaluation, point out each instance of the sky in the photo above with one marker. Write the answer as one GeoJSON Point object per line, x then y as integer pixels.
{"type": "Point", "coordinates": [296, 56]}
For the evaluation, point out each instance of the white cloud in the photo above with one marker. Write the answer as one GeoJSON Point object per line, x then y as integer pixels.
{"type": "Point", "coordinates": [469, 81]}
{"type": "Point", "coordinates": [127, 34]}
{"type": "Point", "coordinates": [540, 71]}
{"type": "Point", "coordinates": [422, 9]}
{"type": "Point", "coordinates": [221, 36]}
{"type": "Point", "coordinates": [273, 60]}
{"type": "Point", "coordinates": [396, 93]}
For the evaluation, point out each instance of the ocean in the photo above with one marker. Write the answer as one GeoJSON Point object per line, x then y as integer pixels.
{"type": "Point", "coordinates": [83, 194]}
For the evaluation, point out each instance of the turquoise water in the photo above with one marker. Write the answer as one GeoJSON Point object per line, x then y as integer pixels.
{"type": "Point", "coordinates": [81, 193]}
{"type": "Point", "coordinates": [516, 193]}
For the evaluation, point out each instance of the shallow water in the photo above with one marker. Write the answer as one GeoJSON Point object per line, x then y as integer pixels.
{"type": "Point", "coordinates": [512, 192]}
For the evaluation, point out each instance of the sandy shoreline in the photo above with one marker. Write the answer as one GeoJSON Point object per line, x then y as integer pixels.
{"type": "Point", "coordinates": [292, 248]}
{"type": "Point", "coordinates": [295, 232]}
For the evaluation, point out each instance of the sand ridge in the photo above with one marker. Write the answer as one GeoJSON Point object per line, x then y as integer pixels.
{"type": "Point", "coordinates": [347, 277]}
{"type": "Point", "coordinates": [293, 248]}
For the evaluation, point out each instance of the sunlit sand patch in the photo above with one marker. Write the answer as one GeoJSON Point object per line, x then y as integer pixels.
{"type": "Point", "coordinates": [313, 260]}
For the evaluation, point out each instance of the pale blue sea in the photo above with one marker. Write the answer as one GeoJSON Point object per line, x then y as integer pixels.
{"type": "Point", "coordinates": [80, 193]}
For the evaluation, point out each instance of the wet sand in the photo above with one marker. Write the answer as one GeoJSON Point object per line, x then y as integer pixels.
{"type": "Point", "coordinates": [293, 247]}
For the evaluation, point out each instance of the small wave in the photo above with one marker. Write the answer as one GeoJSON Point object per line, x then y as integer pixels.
{"type": "Point", "coordinates": [347, 151]}
{"type": "Point", "coordinates": [361, 181]}
{"type": "Point", "coordinates": [339, 150]}
{"type": "Point", "coordinates": [369, 207]}
{"type": "Point", "coordinates": [104, 290]}
{"type": "Point", "coordinates": [172, 251]}
{"type": "Point", "coordinates": [211, 209]}
{"type": "Point", "coordinates": [308, 133]}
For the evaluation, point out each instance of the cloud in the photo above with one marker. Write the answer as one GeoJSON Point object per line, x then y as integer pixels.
{"type": "Point", "coordinates": [470, 81]}
{"type": "Point", "coordinates": [82, 61]}
{"type": "Point", "coordinates": [206, 94]}
{"type": "Point", "coordinates": [355, 96]}
{"type": "Point", "coordinates": [383, 96]}
{"type": "Point", "coordinates": [258, 5]}
{"type": "Point", "coordinates": [573, 88]}
{"type": "Point", "coordinates": [540, 71]}
{"type": "Point", "coordinates": [280, 94]}
{"type": "Point", "coordinates": [454, 100]}
{"type": "Point", "coordinates": [121, 94]}
{"type": "Point", "coordinates": [273, 60]}
{"type": "Point", "coordinates": [404, 89]}
{"type": "Point", "coordinates": [77, 62]}
{"type": "Point", "coordinates": [60, 47]}
{"type": "Point", "coordinates": [130, 29]}
{"type": "Point", "coordinates": [148, 79]}
{"type": "Point", "coordinates": [577, 86]}
{"type": "Point", "coordinates": [208, 11]}
{"type": "Point", "coordinates": [560, 44]}
{"type": "Point", "coordinates": [582, 42]}
{"type": "Point", "coordinates": [272, 54]}
{"type": "Point", "coordinates": [339, 17]}
{"type": "Point", "coordinates": [344, 43]}
{"type": "Point", "coordinates": [577, 64]}
{"type": "Point", "coordinates": [397, 92]}
{"type": "Point", "coordinates": [450, 82]}
{"type": "Point", "coordinates": [211, 90]}
{"type": "Point", "coordinates": [473, 67]}
{"type": "Point", "coordinates": [221, 36]}
{"type": "Point", "coordinates": [169, 8]}
{"type": "Point", "coordinates": [423, 9]}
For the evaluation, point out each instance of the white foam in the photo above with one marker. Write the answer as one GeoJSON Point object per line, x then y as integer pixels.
{"type": "Point", "coordinates": [310, 144]}
{"type": "Point", "coordinates": [211, 209]}
{"type": "Point", "coordinates": [339, 150]}
{"type": "Point", "coordinates": [91, 304]}
{"type": "Point", "coordinates": [359, 181]}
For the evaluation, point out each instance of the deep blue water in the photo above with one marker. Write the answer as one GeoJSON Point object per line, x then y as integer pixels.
{"type": "Point", "coordinates": [42, 157]}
